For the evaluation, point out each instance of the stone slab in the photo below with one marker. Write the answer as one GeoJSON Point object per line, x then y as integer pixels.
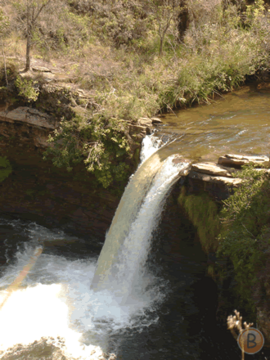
{"type": "Point", "coordinates": [31, 117]}
{"type": "Point", "coordinates": [211, 169]}
{"type": "Point", "coordinates": [239, 160]}
{"type": "Point", "coordinates": [221, 180]}
{"type": "Point", "coordinates": [156, 121]}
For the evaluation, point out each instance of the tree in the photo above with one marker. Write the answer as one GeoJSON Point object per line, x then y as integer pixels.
{"type": "Point", "coordinates": [166, 11]}
{"type": "Point", "coordinates": [29, 12]}
{"type": "Point", "coordinates": [4, 29]}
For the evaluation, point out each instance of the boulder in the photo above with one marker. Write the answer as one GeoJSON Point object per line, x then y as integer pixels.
{"type": "Point", "coordinates": [211, 169]}
{"type": "Point", "coordinates": [135, 130]}
{"type": "Point", "coordinates": [239, 160]}
{"type": "Point", "coordinates": [156, 121]}
{"type": "Point", "coordinates": [30, 117]}
{"type": "Point", "coordinates": [29, 126]}
{"type": "Point", "coordinates": [47, 76]}
{"type": "Point", "coordinates": [145, 122]}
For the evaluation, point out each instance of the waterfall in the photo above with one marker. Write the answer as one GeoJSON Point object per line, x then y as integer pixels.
{"type": "Point", "coordinates": [120, 267]}
{"type": "Point", "coordinates": [56, 306]}
{"type": "Point", "coordinates": [150, 145]}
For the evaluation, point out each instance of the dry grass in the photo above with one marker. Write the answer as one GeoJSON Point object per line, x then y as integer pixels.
{"type": "Point", "coordinates": [111, 50]}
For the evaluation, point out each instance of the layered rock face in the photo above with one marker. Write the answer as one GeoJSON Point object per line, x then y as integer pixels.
{"type": "Point", "coordinates": [54, 197]}
{"type": "Point", "coordinates": [217, 179]}
{"type": "Point", "coordinates": [29, 125]}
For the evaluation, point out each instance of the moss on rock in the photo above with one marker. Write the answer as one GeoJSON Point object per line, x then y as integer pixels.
{"type": "Point", "coordinates": [203, 212]}
{"type": "Point", "coordinates": [5, 168]}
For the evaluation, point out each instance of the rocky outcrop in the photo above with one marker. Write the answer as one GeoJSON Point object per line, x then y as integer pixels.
{"type": "Point", "coordinates": [217, 179]}
{"type": "Point", "coordinates": [149, 122]}
{"type": "Point", "coordinates": [54, 197]}
{"type": "Point", "coordinates": [211, 169]}
{"type": "Point", "coordinates": [214, 179]}
{"type": "Point", "coordinates": [239, 160]}
{"type": "Point", "coordinates": [29, 125]}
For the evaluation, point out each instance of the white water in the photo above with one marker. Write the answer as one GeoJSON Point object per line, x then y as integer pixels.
{"type": "Point", "coordinates": [55, 301]}
{"type": "Point", "coordinates": [127, 277]}
{"type": "Point", "coordinates": [150, 145]}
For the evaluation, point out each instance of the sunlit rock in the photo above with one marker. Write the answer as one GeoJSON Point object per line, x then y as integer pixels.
{"type": "Point", "coordinates": [156, 121]}
{"type": "Point", "coordinates": [215, 179]}
{"type": "Point", "coordinates": [211, 169]}
{"type": "Point", "coordinates": [239, 160]}
{"type": "Point", "coordinates": [145, 122]}
{"type": "Point", "coordinates": [35, 126]}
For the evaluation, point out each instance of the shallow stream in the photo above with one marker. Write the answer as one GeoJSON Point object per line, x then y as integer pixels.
{"type": "Point", "coordinates": [236, 123]}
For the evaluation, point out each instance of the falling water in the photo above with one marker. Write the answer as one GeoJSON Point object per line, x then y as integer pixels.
{"type": "Point", "coordinates": [150, 145]}
{"type": "Point", "coordinates": [121, 263]}
{"type": "Point", "coordinates": [55, 304]}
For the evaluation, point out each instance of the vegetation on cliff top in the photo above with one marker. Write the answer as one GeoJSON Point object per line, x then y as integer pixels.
{"type": "Point", "coordinates": [244, 239]}
{"type": "Point", "coordinates": [133, 59]}
{"type": "Point", "coordinates": [239, 234]}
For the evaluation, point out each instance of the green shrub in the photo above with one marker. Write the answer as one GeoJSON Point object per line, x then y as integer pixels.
{"type": "Point", "coordinates": [101, 144]}
{"type": "Point", "coordinates": [5, 168]}
{"type": "Point", "coordinates": [27, 89]}
{"type": "Point", "coordinates": [246, 220]}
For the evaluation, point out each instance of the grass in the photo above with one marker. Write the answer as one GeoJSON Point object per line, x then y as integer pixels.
{"type": "Point", "coordinates": [111, 51]}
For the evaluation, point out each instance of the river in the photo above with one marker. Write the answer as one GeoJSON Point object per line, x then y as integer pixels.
{"type": "Point", "coordinates": [54, 314]}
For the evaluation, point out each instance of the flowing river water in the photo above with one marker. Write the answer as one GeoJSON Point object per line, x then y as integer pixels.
{"type": "Point", "coordinates": [148, 301]}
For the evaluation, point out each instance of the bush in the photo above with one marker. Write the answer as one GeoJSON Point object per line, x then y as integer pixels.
{"type": "Point", "coordinates": [243, 240]}
{"type": "Point", "coordinates": [102, 145]}
{"type": "Point", "coordinates": [27, 89]}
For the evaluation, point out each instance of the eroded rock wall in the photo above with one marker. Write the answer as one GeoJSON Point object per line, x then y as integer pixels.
{"type": "Point", "coordinates": [54, 197]}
